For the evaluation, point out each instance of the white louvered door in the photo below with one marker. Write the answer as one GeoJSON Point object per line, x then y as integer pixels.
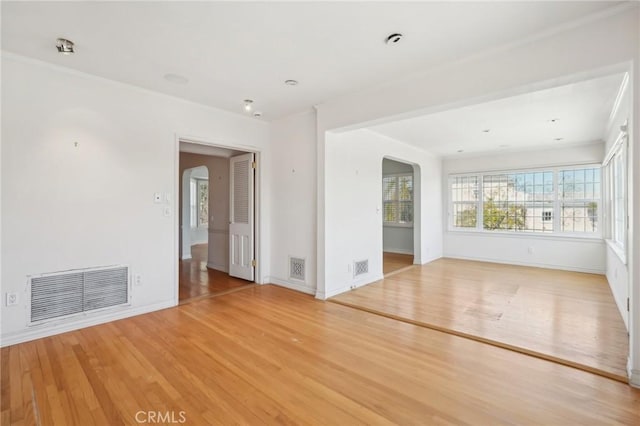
{"type": "Point", "coordinates": [241, 217]}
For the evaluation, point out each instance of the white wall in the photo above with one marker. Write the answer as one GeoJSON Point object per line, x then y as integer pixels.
{"type": "Point", "coordinates": [293, 195]}
{"type": "Point", "coordinates": [396, 239]}
{"type": "Point", "coordinates": [67, 207]}
{"type": "Point", "coordinates": [576, 254]}
{"type": "Point", "coordinates": [354, 205]}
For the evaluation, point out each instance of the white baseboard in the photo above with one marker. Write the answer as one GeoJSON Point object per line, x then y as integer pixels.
{"type": "Point", "coordinates": [343, 289]}
{"type": "Point", "coordinates": [634, 375]}
{"type": "Point", "coordinates": [634, 378]}
{"type": "Point", "coordinates": [217, 267]}
{"type": "Point", "coordinates": [533, 264]}
{"type": "Point", "coordinates": [397, 250]}
{"type": "Point", "coordinates": [428, 260]}
{"type": "Point", "coordinates": [292, 285]}
{"type": "Point", "coordinates": [46, 330]}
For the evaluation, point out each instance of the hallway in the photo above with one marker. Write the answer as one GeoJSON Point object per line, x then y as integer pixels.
{"type": "Point", "coordinates": [198, 282]}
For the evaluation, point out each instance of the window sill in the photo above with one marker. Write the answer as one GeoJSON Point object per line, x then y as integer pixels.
{"type": "Point", "coordinates": [549, 236]}
{"type": "Point", "coordinates": [397, 225]}
{"type": "Point", "coordinates": [619, 251]}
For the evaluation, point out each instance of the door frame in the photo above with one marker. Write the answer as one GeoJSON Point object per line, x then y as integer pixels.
{"type": "Point", "coordinates": [175, 204]}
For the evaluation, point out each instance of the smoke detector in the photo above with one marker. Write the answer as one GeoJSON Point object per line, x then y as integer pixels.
{"type": "Point", "coordinates": [393, 38]}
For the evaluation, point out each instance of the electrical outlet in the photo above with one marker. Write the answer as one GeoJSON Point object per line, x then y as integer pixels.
{"type": "Point", "coordinates": [157, 197]}
{"type": "Point", "coordinates": [12, 299]}
{"type": "Point", "coordinates": [137, 280]}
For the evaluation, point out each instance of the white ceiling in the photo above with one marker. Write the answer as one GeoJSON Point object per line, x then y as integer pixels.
{"type": "Point", "coordinates": [230, 51]}
{"type": "Point", "coordinates": [581, 109]}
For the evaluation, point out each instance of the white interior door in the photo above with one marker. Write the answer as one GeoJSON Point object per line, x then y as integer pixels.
{"type": "Point", "coordinates": [241, 217]}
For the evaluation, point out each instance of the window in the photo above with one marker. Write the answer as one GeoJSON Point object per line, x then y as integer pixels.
{"type": "Point", "coordinates": [464, 197]}
{"type": "Point", "coordinates": [579, 192]}
{"type": "Point", "coordinates": [516, 201]}
{"type": "Point", "coordinates": [199, 203]}
{"type": "Point", "coordinates": [548, 201]}
{"type": "Point", "coordinates": [619, 203]}
{"type": "Point", "coordinates": [397, 199]}
{"type": "Point", "coordinates": [616, 172]}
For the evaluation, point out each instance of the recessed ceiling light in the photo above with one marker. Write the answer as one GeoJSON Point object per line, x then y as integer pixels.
{"type": "Point", "coordinates": [176, 79]}
{"type": "Point", "coordinates": [248, 105]}
{"type": "Point", "coordinates": [461, 150]}
{"type": "Point", "coordinates": [291, 82]}
{"type": "Point", "coordinates": [257, 114]}
{"type": "Point", "coordinates": [558, 139]}
{"type": "Point", "coordinates": [486, 130]}
{"type": "Point", "coordinates": [64, 46]}
{"type": "Point", "coordinates": [554, 120]}
{"type": "Point", "coordinates": [393, 38]}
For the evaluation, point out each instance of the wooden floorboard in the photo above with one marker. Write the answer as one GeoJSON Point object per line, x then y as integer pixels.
{"type": "Point", "coordinates": [268, 355]}
{"type": "Point", "coordinates": [563, 316]}
{"type": "Point", "coordinates": [392, 262]}
{"type": "Point", "coordinates": [196, 281]}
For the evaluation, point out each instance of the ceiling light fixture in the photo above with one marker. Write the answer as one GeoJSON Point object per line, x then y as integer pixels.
{"type": "Point", "coordinates": [64, 46]}
{"type": "Point", "coordinates": [486, 130]}
{"type": "Point", "coordinates": [393, 38]}
{"type": "Point", "coordinates": [558, 139]}
{"type": "Point", "coordinates": [554, 120]}
{"type": "Point", "coordinates": [257, 114]}
{"type": "Point", "coordinates": [248, 105]}
{"type": "Point", "coordinates": [175, 78]}
{"type": "Point", "coordinates": [291, 82]}
{"type": "Point", "coordinates": [461, 150]}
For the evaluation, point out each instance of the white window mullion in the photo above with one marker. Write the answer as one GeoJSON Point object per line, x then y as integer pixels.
{"type": "Point", "coordinates": [480, 203]}
{"type": "Point", "coordinates": [556, 201]}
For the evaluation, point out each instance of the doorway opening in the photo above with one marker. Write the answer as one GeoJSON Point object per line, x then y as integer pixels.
{"type": "Point", "coordinates": [215, 196]}
{"type": "Point", "coordinates": [398, 215]}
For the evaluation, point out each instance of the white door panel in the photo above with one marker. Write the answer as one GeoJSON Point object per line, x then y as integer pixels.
{"type": "Point", "coordinates": [241, 217]}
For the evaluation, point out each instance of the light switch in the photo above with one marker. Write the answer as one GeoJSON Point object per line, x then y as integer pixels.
{"type": "Point", "coordinates": [167, 197]}
{"type": "Point", "coordinates": [157, 197]}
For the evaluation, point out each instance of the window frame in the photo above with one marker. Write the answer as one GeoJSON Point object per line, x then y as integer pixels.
{"type": "Point", "coordinates": [618, 150]}
{"type": "Point", "coordinates": [397, 201]}
{"type": "Point", "coordinates": [557, 202]}
{"type": "Point", "coordinates": [194, 202]}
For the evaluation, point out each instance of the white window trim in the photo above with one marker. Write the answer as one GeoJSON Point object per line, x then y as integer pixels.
{"type": "Point", "coordinates": [196, 205]}
{"type": "Point", "coordinates": [398, 224]}
{"type": "Point", "coordinates": [620, 147]}
{"type": "Point", "coordinates": [479, 229]}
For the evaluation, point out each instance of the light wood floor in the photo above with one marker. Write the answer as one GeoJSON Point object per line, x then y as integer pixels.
{"type": "Point", "coordinates": [268, 355]}
{"type": "Point", "coordinates": [197, 281]}
{"type": "Point", "coordinates": [566, 316]}
{"type": "Point", "coordinates": [392, 262]}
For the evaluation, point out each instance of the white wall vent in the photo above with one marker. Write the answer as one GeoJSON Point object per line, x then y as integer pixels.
{"type": "Point", "coordinates": [297, 268]}
{"type": "Point", "coordinates": [62, 294]}
{"type": "Point", "coordinates": [360, 267]}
